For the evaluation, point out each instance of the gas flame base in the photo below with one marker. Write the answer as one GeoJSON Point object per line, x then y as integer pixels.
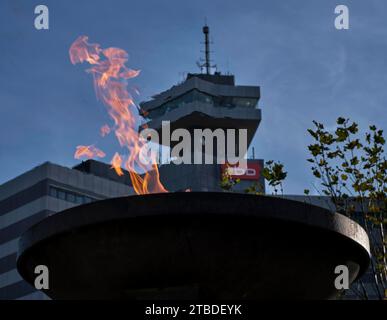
{"type": "Point", "coordinates": [194, 245]}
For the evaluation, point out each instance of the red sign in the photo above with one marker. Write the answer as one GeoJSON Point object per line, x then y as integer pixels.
{"type": "Point", "coordinates": [251, 172]}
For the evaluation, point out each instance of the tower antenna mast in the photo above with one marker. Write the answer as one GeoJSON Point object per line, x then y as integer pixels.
{"type": "Point", "coordinates": [206, 31]}
{"type": "Point", "coordinates": [206, 63]}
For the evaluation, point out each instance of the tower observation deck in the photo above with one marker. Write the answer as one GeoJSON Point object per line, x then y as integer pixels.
{"type": "Point", "coordinates": [206, 101]}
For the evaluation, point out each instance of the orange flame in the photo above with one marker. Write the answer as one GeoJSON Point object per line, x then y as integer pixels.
{"type": "Point", "coordinates": [117, 163]}
{"type": "Point", "coordinates": [88, 152]}
{"type": "Point", "coordinates": [105, 130]}
{"type": "Point", "coordinates": [110, 77]}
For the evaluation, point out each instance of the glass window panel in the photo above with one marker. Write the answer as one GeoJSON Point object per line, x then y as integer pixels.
{"type": "Point", "coordinates": [70, 197]}
{"type": "Point", "coordinates": [87, 200]}
{"type": "Point", "coordinates": [53, 192]}
{"type": "Point", "coordinates": [61, 194]}
{"type": "Point", "coordinates": [79, 199]}
{"type": "Point", "coordinates": [195, 95]}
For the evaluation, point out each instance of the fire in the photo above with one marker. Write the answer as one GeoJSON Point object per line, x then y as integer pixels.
{"type": "Point", "coordinates": [88, 152]}
{"type": "Point", "coordinates": [110, 75]}
{"type": "Point", "coordinates": [117, 164]}
{"type": "Point", "coordinates": [105, 130]}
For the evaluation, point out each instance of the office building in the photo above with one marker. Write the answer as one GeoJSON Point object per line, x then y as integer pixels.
{"type": "Point", "coordinates": [38, 193]}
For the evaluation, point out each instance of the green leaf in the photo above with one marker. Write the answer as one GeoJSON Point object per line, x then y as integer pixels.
{"type": "Point", "coordinates": [353, 128]}
{"type": "Point", "coordinates": [354, 161]}
{"type": "Point", "coordinates": [314, 149]}
{"type": "Point", "coordinates": [312, 133]}
{"type": "Point", "coordinates": [340, 120]}
{"type": "Point", "coordinates": [341, 134]}
{"type": "Point", "coordinates": [317, 174]}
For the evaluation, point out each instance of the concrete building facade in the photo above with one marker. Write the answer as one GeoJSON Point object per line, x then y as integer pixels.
{"type": "Point", "coordinates": [38, 193]}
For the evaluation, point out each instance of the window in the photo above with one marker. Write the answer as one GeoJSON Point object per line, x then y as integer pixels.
{"type": "Point", "coordinates": [87, 200]}
{"type": "Point", "coordinates": [203, 98]}
{"type": "Point", "coordinates": [52, 192]}
{"type": "Point", "coordinates": [79, 199]}
{"type": "Point", "coordinates": [69, 196]}
{"type": "Point", "coordinates": [245, 102]}
{"type": "Point", "coordinates": [61, 195]}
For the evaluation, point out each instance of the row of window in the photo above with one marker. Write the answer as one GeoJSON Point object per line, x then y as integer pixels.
{"type": "Point", "coordinates": [214, 101]}
{"type": "Point", "coordinates": [69, 196]}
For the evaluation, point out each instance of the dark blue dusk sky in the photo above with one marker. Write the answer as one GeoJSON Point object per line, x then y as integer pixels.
{"type": "Point", "coordinates": [306, 69]}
